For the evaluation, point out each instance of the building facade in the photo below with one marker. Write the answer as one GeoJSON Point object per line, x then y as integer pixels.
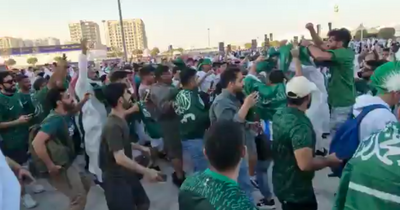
{"type": "Point", "coordinates": [10, 42]}
{"type": "Point", "coordinates": [134, 31]}
{"type": "Point", "coordinates": [85, 30]}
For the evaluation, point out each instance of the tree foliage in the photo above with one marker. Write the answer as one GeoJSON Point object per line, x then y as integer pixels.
{"type": "Point", "coordinates": [386, 33]}
{"type": "Point", "coordinates": [58, 58]}
{"type": "Point", "coordinates": [180, 50]}
{"type": "Point", "coordinates": [364, 34]}
{"type": "Point", "coordinates": [10, 62]}
{"type": "Point", "coordinates": [137, 52]}
{"type": "Point", "coordinates": [155, 51]}
{"type": "Point", "coordinates": [234, 47]}
{"type": "Point", "coordinates": [32, 60]}
{"type": "Point", "coordinates": [247, 45]}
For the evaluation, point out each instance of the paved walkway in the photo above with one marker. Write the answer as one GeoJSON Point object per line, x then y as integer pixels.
{"type": "Point", "coordinates": [164, 196]}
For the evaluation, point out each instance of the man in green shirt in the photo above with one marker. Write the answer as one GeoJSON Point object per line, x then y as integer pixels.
{"type": "Point", "coordinates": [293, 149]}
{"type": "Point", "coordinates": [217, 187]}
{"type": "Point", "coordinates": [194, 118]}
{"type": "Point", "coordinates": [57, 79]}
{"type": "Point", "coordinates": [56, 161]}
{"type": "Point", "coordinates": [25, 92]}
{"type": "Point", "coordinates": [14, 122]}
{"type": "Point", "coordinates": [341, 86]}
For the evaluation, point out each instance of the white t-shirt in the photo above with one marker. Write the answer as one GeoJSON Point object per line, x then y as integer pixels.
{"type": "Point", "coordinates": [206, 84]}
{"type": "Point", "coordinates": [10, 189]}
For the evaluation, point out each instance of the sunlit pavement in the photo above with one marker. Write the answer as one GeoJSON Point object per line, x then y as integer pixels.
{"type": "Point", "coordinates": [164, 196]}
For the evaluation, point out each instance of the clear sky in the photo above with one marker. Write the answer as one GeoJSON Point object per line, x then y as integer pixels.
{"type": "Point", "coordinates": [184, 23]}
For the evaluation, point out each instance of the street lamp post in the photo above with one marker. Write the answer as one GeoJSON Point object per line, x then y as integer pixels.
{"type": "Point", "coordinates": [208, 31]}
{"type": "Point", "coordinates": [121, 22]}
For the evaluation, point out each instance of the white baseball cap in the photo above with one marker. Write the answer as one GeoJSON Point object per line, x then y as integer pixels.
{"type": "Point", "coordinates": [299, 87]}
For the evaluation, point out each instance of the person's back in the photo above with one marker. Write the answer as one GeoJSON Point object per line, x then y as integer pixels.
{"type": "Point", "coordinates": [217, 187]}
{"type": "Point", "coordinates": [114, 126]}
{"type": "Point", "coordinates": [210, 190]}
{"type": "Point", "coordinates": [370, 179]}
{"type": "Point", "coordinates": [286, 174]}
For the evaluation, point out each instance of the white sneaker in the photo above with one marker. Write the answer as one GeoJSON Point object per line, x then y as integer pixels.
{"type": "Point", "coordinates": [28, 201]}
{"type": "Point", "coordinates": [36, 188]}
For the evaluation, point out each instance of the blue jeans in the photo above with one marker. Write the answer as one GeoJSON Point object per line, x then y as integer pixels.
{"type": "Point", "coordinates": [262, 177]}
{"type": "Point", "coordinates": [244, 179]}
{"type": "Point", "coordinates": [194, 147]}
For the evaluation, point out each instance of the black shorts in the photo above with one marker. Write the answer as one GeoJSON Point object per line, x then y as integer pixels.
{"type": "Point", "coordinates": [172, 139]}
{"type": "Point", "coordinates": [20, 156]}
{"type": "Point", "coordinates": [125, 193]}
{"type": "Point", "coordinates": [312, 205]}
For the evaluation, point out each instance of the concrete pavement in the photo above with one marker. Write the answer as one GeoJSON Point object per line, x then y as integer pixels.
{"type": "Point", "coordinates": [164, 196]}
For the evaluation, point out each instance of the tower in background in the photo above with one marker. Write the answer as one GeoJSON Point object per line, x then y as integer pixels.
{"type": "Point", "coordinates": [85, 30]}
{"type": "Point", "coordinates": [134, 31]}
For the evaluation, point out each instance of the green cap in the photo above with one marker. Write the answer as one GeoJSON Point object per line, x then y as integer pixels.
{"type": "Point", "coordinates": [179, 63]}
{"type": "Point", "coordinates": [206, 61]}
{"type": "Point", "coordinates": [386, 78]}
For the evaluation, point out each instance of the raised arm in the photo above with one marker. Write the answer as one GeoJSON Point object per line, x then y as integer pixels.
{"type": "Point", "coordinates": [57, 78]}
{"type": "Point", "coordinates": [314, 35]}
{"type": "Point", "coordinates": [83, 69]}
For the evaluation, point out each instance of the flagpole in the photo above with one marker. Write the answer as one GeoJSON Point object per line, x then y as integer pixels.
{"type": "Point", "coordinates": [121, 22]}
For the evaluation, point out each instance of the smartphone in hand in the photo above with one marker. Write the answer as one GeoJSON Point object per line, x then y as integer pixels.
{"type": "Point", "coordinates": [164, 177]}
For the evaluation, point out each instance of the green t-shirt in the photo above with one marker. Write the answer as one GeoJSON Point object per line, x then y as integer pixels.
{"type": "Point", "coordinates": [341, 88]}
{"type": "Point", "coordinates": [151, 126]}
{"type": "Point", "coordinates": [193, 115]}
{"type": "Point", "coordinates": [209, 190]}
{"type": "Point", "coordinates": [131, 120]}
{"type": "Point", "coordinates": [362, 87]}
{"type": "Point", "coordinates": [42, 108]}
{"type": "Point", "coordinates": [370, 180]}
{"type": "Point", "coordinates": [292, 130]}
{"type": "Point", "coordinates": [11, 108]}
{"type": "Point", "coordinates": [59, 126]}
{"type": "Point", "coordinates": [272, 97]}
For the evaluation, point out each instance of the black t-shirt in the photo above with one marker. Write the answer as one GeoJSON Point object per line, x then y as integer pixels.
{"type": "Point", "coordinates": [115, 137]}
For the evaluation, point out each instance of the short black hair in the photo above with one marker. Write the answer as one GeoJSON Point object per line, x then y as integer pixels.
{"type": "Point", "coordinates": [118, 75]}
{"type": "Point", "coordinates": [146, 70]}
{"type": "Point", "coordinates": [38, 83]}
{"type": "Point", "coordinates": [113, 92]}
{"type": "Point", "coordinates": [224, 143]}
{"type": "Point", "coordinates": [160, 70]}
{"type": "Point", "coordinates": [341, 35]}
{"type": "Point", "coordinates": [276, 77]}
{"type": "Point", "coordinates": [296, 101]}
{"type": "Point", "coordinates": [189, 60]}
{"type": "Point", "coordinates": [229, 75]}
{"type": "Point", "coordinates": [175, 69]}
{"type": "Point", "coordinates": [20, 77]}
{"type": "Point", "coordinates": [3, 75]}
{"type": "Point", "coordinates": [386, 49]}
{"type": "Point", "coordinates": [186, 75]}
{"type": "Point", "coordinates": [54, 95]}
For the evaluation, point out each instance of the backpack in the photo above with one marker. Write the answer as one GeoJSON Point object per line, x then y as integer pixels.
{"type": "Point", "coordinates": [61, 153]}
{"type": "Point", "coordinates": [347, 138]}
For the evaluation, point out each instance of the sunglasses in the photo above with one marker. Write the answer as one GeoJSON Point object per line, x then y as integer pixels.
{"type": "Point", "coordinates": [10, 81]}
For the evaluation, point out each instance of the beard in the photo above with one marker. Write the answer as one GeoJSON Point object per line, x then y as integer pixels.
{"type": "Point", "coordinates": [309, 103]}
{"type": "Point", "coordinates": [127, 104]}
{"type": "Point", "coordinates": [10, 90]}
{"type": "Point", "coordinates": [68, 106]}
